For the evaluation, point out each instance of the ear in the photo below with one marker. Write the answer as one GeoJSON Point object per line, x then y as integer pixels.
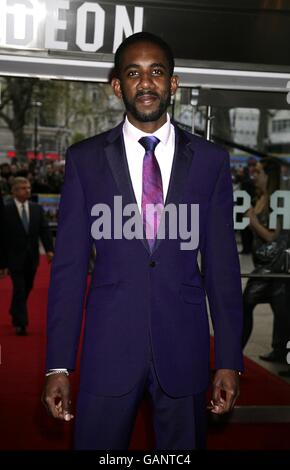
{"type": "Point", "coordinates": [115, 83]}
{"type": "Point", "coordinates": [174, 82]}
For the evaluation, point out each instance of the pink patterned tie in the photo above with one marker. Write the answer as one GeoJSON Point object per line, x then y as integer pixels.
{"type": "Point", "coordinates": [152, 192]}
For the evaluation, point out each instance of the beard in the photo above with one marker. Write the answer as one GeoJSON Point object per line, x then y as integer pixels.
{"type": "Point", "coordinates": [149, 116]}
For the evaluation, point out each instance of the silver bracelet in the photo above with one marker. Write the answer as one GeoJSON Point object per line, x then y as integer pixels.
{"type": "Point", "coordinates": [56, 371]}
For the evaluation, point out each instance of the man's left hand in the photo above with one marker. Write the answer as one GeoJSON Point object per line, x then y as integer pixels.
{"type": "Point", "coordinates": [226, 389]}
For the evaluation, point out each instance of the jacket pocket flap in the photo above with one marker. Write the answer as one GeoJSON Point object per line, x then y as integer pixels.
{"type": "Point", "coordinates": [103, 282]}
{"type": "Point", "coordinates": [192, 294]}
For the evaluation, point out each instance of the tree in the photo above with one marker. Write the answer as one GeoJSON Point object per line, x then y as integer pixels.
{"type": "Point", "coordinates": [74, 109]}
{"type": "Point", "coordinates": [15, 104]}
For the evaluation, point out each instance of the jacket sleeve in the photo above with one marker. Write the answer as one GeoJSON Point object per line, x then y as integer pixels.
{"type": "Point", "coordinates": [69, 273]}
{"type": "Point", "coordinates": [222, 274]}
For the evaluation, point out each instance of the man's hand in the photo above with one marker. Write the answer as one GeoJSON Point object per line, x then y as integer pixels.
{"type": "Point", "coordinates": [226, 388]}
{"type": "Point", "coordinates": [56, 396]}
{"type": "Point", "coordinates": [49, 256]}
{"type": "Point", "coordinates": [3, 273]}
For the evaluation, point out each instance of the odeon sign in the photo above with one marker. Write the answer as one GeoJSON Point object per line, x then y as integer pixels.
{"type": "Point", "coordinates": [67, 25]}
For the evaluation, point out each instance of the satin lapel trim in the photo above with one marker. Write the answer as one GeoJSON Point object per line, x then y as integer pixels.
{"type": "Point", "coordinates": [182, 160]}
{"type": "Point", "coordinates": [116, 156]}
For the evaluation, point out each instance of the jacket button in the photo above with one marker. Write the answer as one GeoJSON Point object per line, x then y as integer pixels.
{"type": "Point", "coordinates": [152, 264]}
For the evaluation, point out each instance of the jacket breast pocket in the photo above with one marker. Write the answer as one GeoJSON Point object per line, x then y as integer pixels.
{"type": "Point", "coordinates": [192, 294]}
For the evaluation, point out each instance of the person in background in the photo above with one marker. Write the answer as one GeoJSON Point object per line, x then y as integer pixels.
{"type": "Point", "coordinates": [24, 225]}
{"type": "Point", "coordinates": [263, 289]}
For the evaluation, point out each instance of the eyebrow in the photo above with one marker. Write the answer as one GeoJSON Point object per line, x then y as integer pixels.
{"type": "Point", "coordinates": [137, 66]}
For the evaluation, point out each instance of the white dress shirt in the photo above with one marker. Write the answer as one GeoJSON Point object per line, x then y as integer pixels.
{"type": "Point", "coordinates": [19, 206]}
{"type": "Point", "coordinates": [135, 152]}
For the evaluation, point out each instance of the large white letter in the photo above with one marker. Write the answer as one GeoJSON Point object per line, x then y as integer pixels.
{"type": "Point", "coordinates": [54, 24]}
{"type": "Point", "coordinates": [241, 209]}
{"type": "Point", "coordinates": [284, 210]}
{"type": "Point", "coordinates": [122, 24]}
{"type": "Point", "coordinates": [19, 27]}
{"type": "Point", "coordinates": [82, 16]}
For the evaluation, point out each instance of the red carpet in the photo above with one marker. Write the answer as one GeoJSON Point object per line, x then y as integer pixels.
{"type": "Point", "coordinates": [25, 425]}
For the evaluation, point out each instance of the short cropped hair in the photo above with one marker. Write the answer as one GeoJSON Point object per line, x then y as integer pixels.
{"type": "Point", "coordinates": [19, 180]}
{"type": "Point", "coordinates": [143, 37]}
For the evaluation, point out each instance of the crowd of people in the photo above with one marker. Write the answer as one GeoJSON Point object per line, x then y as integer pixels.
{"type": "Point", "coordinates": [45, 177]}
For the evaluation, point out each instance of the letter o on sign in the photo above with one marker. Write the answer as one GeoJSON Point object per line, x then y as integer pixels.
{"type": "Point", "coordinates": [82, 16]}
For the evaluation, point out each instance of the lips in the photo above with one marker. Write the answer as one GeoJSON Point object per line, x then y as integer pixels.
{"type": "Point", "coordinates": [146, 99]}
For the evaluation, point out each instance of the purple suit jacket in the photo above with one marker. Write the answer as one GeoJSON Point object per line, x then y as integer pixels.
{"type": "Point", "coordinates": [133, 302]}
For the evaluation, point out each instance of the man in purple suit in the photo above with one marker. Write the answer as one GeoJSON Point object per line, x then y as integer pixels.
{"type": "Point", "coordinates": [146, 324]}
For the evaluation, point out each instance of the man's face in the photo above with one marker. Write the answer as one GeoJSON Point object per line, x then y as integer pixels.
{"type": "Point", "coordinates": [22, 191]}
{"type": "Point", "coordinates": [145, 84]}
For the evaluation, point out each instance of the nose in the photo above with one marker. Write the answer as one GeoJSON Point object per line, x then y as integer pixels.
{"type": "Point", "coordinates": [145, 82]}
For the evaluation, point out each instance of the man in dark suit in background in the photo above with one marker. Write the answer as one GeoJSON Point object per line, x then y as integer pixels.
{"type": "Point", "coordinates": [24, 224]}
{"type": "Point", "coordinates": [146, 326]}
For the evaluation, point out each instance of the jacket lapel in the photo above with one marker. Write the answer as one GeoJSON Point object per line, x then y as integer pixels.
{"type": "Point", "coordinates": [17, 218]}
{"type": "Point", "coordinates": [182, 160]}
{"type": "Point", "coordinates": [116, 157]}
{"type": "Point", "coordinates": [180, 167]}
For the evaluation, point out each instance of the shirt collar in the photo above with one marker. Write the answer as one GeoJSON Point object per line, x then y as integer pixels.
{"type": "Point", "coordinates": [134, 134]}
{"type": "Point", "coordinates": [19, 204]}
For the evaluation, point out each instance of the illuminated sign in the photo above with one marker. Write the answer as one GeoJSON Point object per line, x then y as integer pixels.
{"type": "Point", "coordinates": [252, 32]}
{"type": "Point", "coordinates": [72, 25]}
